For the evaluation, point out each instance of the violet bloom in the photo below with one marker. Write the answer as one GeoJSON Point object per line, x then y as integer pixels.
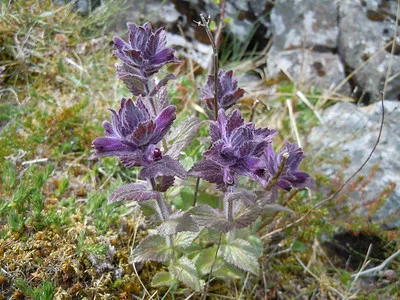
{"type": "Point", "coordinates": [133, 136]}
{"type": "Point", "coordinates": [291, 176]}
{"type": "Point", "coordinates": [142, 56]}
{"type": "Point", "coordinates": [228, 92]}
{"type": "Point", "coordinates": [236, 150]}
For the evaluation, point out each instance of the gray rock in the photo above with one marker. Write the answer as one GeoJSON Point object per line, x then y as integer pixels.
{"type": "Point", "coordinates": [304, 23]}
{"type": "Point", "coordinates": [83, 7]}
{"type": "Point", "coordinates": [364, 31]}
{"type": "Point", "coordinates": [351, 131]}
{"type": "Point", "coordinates": [303, 34]}
{"type": "Point", "coordinates": [308, 68]}
{"type": "Point", "coordinates": [139, 11]}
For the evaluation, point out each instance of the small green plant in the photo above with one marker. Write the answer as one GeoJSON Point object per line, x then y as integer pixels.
{"type": "Point", "coordinates": [45, 291]}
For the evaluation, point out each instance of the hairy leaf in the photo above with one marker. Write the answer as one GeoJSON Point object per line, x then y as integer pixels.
{"type": "Point", "coordinates": [163, 279]}
{"type": "Point", "coordinates": [209, 217]}
{"type": "Point", "coordinates": [205, 260]}
{"type": "Point", "coordinates": [167, 166]}
{"type": "Point", "coordinates": [177, 222]}
{"type": "Point", "coordinates": [240, 253]}
{"type": "Point", "coordinates": [185, 239]}
{"type": "Point", "coordinates": [244, 214]}
{"type": "Point", "coordinates": [240, 194]}
{"type": "Point", "coordinates": [182, 136]}
{"type": "Point", "coordinates": [152, 248]}
{"type": "Point", "coordinates": [134, 192]}
{"type": "Point", "coordinates": [185, 270]}
{"type": "Point", "coordinates": [226, 271]}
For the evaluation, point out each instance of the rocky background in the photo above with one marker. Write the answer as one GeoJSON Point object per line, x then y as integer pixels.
{"type": "Point", "coordinates": [316, 44]}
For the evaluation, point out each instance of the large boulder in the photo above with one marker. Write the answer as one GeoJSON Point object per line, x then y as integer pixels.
{"type": "Point", "coordinates": [351, 131]}
{"type": "Point", "coordinates": [304, 38]}
{"type": "Point", "coordinates": [366, 27]}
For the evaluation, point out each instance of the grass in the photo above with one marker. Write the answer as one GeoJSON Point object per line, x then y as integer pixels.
{"type": "Point", "coordinates": [59, 237]}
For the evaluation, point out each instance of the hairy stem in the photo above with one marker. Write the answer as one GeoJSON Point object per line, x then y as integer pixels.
{"type": "Point", "coordinates": [151, 99]}
{"type": "Point", "coordinates": [163, 208]}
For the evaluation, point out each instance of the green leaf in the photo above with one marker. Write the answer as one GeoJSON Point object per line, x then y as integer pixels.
{"type": "Point", "coordinates": [185, 271]}
{"type": "Point", "coordinates": [151, 248]}
{"type": "Point", "coordinates": [226, 271]}
{"type": "Point", "coordinates": [205, 260]}
{"type": "Point", "coordinates": [213, 25]}
{"type": "Point", "coordinates": [163, 279]}
{"type": "Point", "coordinates": [256, 244]}
{"type": "Point", "coordinates": [227, 20]}
{"type": "Point", "coordinates": [241, 254]}
{"type": "Point", "coordinates": [298, 246]}
{"type": "Point", "coordinates": [185, 239]}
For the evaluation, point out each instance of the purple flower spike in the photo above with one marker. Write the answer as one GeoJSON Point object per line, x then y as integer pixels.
{"type": "Point", "coordinates": [291, 176]}
{"type": "Point", "coordinates": [142, 56]}
{"type": "Point", "coordinates": [236, 150]}
{"type": "Point", "coordinates": [133, 136]}
{"type": "Point", "coordinates": [228, 92]}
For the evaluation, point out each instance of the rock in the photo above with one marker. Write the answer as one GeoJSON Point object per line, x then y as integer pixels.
{"type": "Point", "coordinates": [304, 24]}
{"type": "Point", "coordinates": [84, 7]}
{"type": "Point", "coordinates": [365, 28]}
{"type": "Point", "coordinates": [308, 68]}
{"type": "Point", "coordinates": [304, 34]}
{"type": "Point", "coordinates": [198, 52]}
{"type": "Point", "coordinates": [351, 131]}
{"type": "Point", "coordinates": [156, 12]}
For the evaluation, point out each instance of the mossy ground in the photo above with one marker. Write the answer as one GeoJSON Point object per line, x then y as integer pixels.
{"type": "Point", "coordinates": [59, 237]}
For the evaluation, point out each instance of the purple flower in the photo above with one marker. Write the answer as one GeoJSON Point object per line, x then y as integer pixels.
{"type": "Point", "coordinates": [143, 55]}
{"type": "Point", "coordinates": [133, 135]}
{"type": "Point", "coordinates": [290, 176]}
{"type": "Point", "coordinates": [236, 150]}
{"type": "Point", "coordinates": [228, 92]}
{"type": "Point", "coordinates": [146, 49]}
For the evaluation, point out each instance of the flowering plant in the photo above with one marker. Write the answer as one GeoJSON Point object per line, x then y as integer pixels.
{"type": "Point", "coordinates": [141, 134]}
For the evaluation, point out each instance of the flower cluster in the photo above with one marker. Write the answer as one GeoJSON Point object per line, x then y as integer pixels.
{"type": "Point", "coordinates": [236, 150]}
{"type": "Point", "coordinates": [228, 92]}
{"type": "Point", "coordinates": [240, 149]}
{"type": "Point", "coordinates": [138, 127]}
{"type": "Point", "coordinates": [142, 56]}
{"type": "Point", "coordinates": [133, 135]}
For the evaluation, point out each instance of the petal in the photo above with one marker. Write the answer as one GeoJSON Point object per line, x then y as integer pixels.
{"type": "Point", "coordinates": [119, 43]}
{"type": "Point", "coordinates": [235, 121]}
{"type": "Point", "coordinates": [107, 146]}
{"type": "Point", "coordinates": [143, 133]}
{"type": "Point", "coordinates": [163, 123]}
{"type": "Point", "coordinates": [108, 129]}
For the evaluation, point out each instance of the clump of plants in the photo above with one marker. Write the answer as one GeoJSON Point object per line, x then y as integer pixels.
{"type": "Point", "coordinates": [240, 161]}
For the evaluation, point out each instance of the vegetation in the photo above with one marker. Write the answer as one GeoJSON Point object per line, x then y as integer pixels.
{"type": "Point", "coordinates": [59, 238]}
